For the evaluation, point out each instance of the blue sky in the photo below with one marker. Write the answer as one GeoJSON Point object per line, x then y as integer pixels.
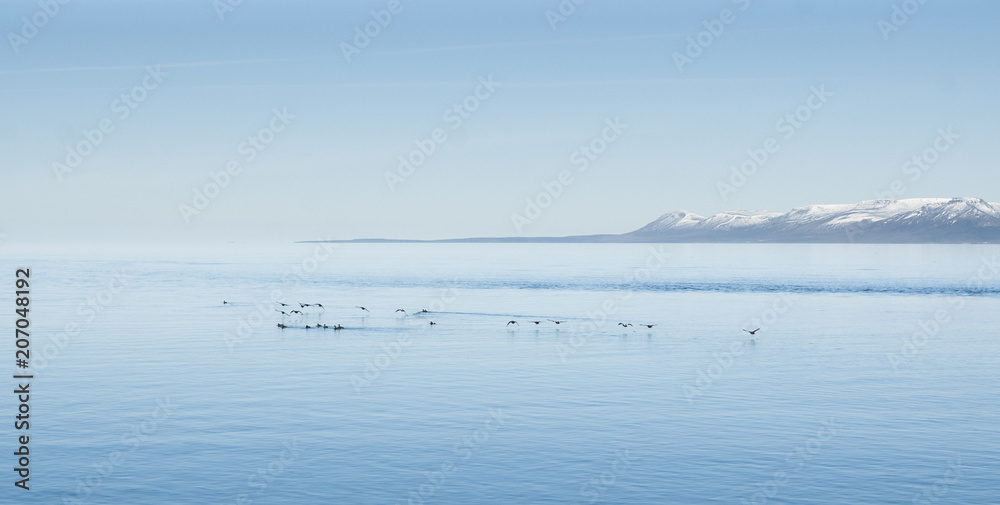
{"type": "Point", "coordinates": [344, 125]}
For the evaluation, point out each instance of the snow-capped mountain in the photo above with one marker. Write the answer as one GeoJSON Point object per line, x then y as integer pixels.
{"type": "Point", "coordinates": [909, 221]}
{"type": "Point", "coordinates": [913, 220]}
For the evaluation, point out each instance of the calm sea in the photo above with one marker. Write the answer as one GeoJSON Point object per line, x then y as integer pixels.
{"type": "Point", "coordinates": [874, 377]}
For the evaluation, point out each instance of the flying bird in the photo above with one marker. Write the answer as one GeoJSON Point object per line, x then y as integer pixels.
{"type": "Point", "coordinates": [282, 304]}
{"type": "Point", "coordinates": [751, 332]}
{"type": "Point", "coordinates": [624, 325]}
{"type": "Point", "coordinates": [512, 322]}
{"type": "Point", "coordinates": [433, 323]}
{"type": "Point", "coordinates": [296, 312]}
{"type": "Point", "coordinates": [648, 325]}
{"type": "Point", "coordinates": [362, 308]}
{"type": "Point", "coordinates": [401, 310]}
{"type": "Point", "coordinates": [557, 322]}
{"type": "Point", "coordinates": [537, 322]}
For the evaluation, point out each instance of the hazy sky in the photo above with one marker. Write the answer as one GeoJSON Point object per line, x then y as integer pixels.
{"type": "Point", "coordinates": [216, 75]}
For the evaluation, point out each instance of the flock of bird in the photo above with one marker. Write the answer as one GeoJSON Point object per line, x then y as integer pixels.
{"type": "Point", "coordinates": [299, 312]}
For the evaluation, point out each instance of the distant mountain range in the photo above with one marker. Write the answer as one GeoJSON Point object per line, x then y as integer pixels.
{"type": "Point", "coordinates": [911, 221]}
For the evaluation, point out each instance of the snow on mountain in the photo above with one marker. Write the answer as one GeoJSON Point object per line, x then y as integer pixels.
{"type": "Point", "coordinates": [845, 215]}
{"type": "Point", "coordinates": [955, 212]}
{"type": "Point", "coordinates": [906, 220]}
{"type": "Point", "coordinates": [739, 219]}
{"type": "Point", "coordinates": [673, 220]}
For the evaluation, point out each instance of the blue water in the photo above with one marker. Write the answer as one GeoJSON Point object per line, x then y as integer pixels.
{"type": "Point", "coordinates": [165, 395]}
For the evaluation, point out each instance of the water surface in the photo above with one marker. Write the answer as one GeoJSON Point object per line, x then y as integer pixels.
{"type": "Point", "coordinates": [165, 395]}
